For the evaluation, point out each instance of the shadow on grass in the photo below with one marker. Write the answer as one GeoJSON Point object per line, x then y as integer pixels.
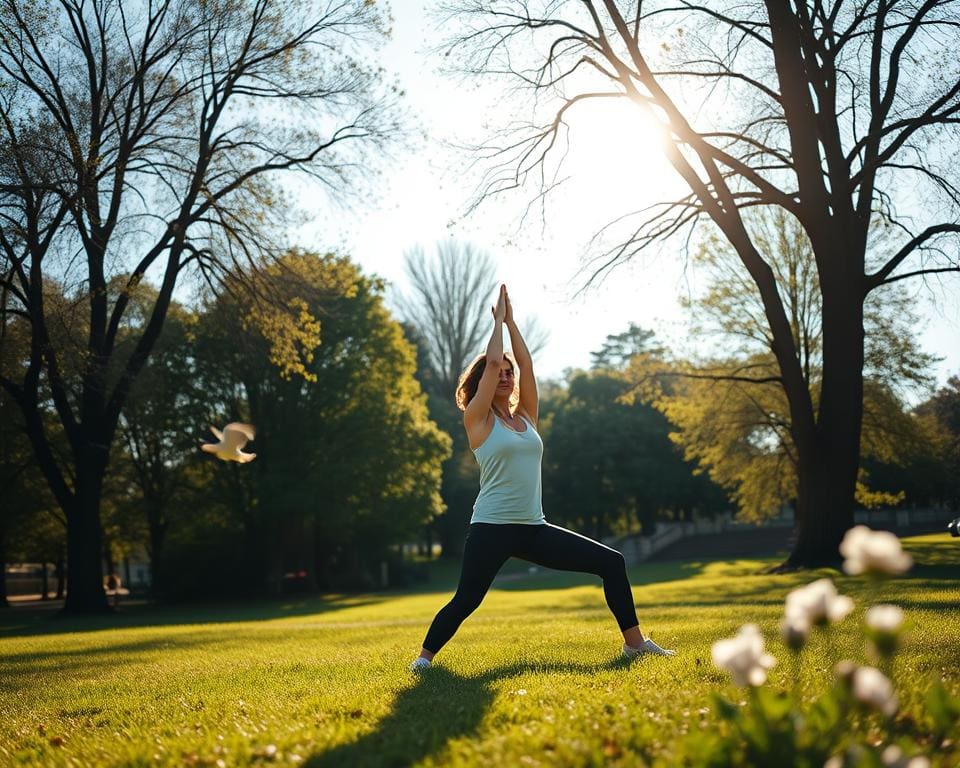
{"type": "Point", "coordinates": [439, 707]}
{"type": "Point", "coordinates": [22, 668]}
{"type": "Point", "coordinates": [30, 621]}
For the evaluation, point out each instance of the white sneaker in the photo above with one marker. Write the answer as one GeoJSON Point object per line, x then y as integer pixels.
{"type": "Point", "coordinates": [420, 664]}
{"type": "Point", "coordinates": [648, 646]}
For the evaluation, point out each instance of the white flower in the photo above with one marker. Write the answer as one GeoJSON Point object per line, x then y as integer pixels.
{"type": "Point", "coordinates": [885, 618]}
{"type": "Point", "coordinates": [871, 687]}
{"type": "Point", "coordinates": [867, 551]}
{"type": "Point", "coordinates": [893, 757]}
{"type": "Point", "coordinates": [743, 657]}
{"type": "Point", "coordinates": [817, 603]}
{"type": "Point", "coordinates": [795, 629]}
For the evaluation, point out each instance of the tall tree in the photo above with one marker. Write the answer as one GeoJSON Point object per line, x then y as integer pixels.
{"type": "Point", "coordinates": [447, 304]}
{"type": "Point", "coordinates": [348, 460]}
{"type": "Point", "coordinates": [149, 138]}
{"type": "Point", "coordinates": [825, 109]}
{"type": "Point", "coordinates": [158, 426]}
{"type": "Point", "coordinates": [730, 412]}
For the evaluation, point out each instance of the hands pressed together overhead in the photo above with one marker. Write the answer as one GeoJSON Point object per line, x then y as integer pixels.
{"type": "Point", "coordinates": [503, 311]}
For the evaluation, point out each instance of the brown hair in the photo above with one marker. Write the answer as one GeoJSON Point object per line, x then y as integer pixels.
{"type": "Point", "coordinates": [470, 380]}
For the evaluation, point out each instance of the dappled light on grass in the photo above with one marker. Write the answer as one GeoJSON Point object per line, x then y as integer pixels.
{"type": "Point", "coordinates": [534, 673]}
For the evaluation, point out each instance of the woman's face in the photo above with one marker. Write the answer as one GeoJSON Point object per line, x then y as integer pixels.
{"type": "Point", "coordinates": [505, 384]}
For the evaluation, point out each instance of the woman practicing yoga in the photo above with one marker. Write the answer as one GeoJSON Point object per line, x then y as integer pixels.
{"type": "Point", "coordinates": [500, 417]}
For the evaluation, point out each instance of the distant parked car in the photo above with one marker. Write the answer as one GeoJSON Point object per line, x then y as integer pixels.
{"type": "Point", "coordinates": [954, 527]}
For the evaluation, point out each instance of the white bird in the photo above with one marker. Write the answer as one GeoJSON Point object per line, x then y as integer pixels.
{"type": "Point", "coordinates": [234, 436]}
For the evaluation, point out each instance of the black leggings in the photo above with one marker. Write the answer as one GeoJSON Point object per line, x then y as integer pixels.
{"type": "Point", "coordinates": [489, 545]}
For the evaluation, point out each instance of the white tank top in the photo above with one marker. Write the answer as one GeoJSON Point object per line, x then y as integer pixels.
{"type": "Point", "coordinates": [510, 490]}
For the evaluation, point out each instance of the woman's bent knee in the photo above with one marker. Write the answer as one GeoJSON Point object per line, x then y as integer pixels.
{"type": "Point", "coordinates": [614, 563]}
{"type": "Point", "coordinates": [462, 607]}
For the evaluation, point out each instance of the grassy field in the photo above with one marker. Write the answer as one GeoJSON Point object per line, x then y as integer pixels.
{"type": "Point", "coordinates": [532, 678]}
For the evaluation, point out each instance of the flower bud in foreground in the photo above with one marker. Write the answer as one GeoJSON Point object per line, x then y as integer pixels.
{"type": "Point", "coordinates": [817, 603]}
{"type": "Point", "coordinates": [795, 629]}
{"type": "Point", "coordinates": [867, 551]}
{"type": "Point", "coordinates": [885, 618]}
{"type": "Point", "coordinates": [844, 671]}
{"type": "Point", "coordinates": [874, 689]}
{"type": "Point", "coordinates": [883, 625]}
{"type": "Point", "coordinates": [893, 757]}
{"type": "Point", "coordinates": [743, 656]}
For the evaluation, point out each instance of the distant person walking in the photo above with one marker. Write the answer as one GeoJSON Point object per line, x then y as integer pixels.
{"type": "Point", "coordinates": [500, 404]}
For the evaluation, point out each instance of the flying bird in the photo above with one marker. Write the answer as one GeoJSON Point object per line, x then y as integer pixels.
{"type": "Point", "coordinates": [234, 436]}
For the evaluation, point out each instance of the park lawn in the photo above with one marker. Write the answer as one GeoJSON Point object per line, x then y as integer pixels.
{"type": "Point", "coordinates": [532, 678]}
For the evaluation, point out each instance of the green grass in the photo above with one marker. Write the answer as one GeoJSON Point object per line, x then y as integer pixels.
{"type": "Point", "coordinates": [532, 678]}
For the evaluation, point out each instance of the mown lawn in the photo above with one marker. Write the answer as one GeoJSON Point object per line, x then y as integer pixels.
{"type": "Point", "coordinates": [532, 678]}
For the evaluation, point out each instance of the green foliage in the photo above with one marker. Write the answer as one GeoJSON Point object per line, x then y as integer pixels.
{"type": "Point", "coordinates": [348, 460]}
{"type": "Point", "coordinates": [618, 349]}
{"type": "Point", "coordinates": [609, 466]}
{"type": "Point", "coordinates": [735, 433]}
{"type": "Point", "coordinates": [31, 527]}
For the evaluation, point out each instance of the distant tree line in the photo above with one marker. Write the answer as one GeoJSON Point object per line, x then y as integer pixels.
{"type": "Point", "coordinates": [360, 448]}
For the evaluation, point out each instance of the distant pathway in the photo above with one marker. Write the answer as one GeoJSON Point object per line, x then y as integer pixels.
{"type": "Point", "coordinates": [759, 542]}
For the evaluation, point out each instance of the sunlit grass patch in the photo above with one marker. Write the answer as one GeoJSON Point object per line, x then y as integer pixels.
{"type": "Point", "coordinates": [533, 677]}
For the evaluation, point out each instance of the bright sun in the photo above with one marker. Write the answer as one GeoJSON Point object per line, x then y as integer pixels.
{"type": "Point", "coordinates": [616, 156]}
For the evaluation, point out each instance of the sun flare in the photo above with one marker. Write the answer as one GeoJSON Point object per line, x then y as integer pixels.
{"type": "Point", "coordinates": [618, 152]}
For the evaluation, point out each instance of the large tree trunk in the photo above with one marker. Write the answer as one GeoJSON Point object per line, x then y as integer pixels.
{"type": "Point", "coordinates": [828, 472]}
{"type": "Point", "coordinates": [85, 593]}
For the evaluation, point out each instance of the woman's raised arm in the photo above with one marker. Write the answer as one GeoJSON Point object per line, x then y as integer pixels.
{"type": "Point", "coordinates": [479, 407]}
{"type": "Point", "coordinates": [529, 397]}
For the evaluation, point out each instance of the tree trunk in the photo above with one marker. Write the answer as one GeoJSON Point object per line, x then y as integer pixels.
{"type": "Point", "coordinates": [4, 603]}
{"type": "Point", "coordinates": [44, 581]}
{"type": "Point", "coordinates": [828, 472]}
{"type": "Point", "coordinates": [85, 593]}
{"type": "Point", "coordinates": [61, 573]}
